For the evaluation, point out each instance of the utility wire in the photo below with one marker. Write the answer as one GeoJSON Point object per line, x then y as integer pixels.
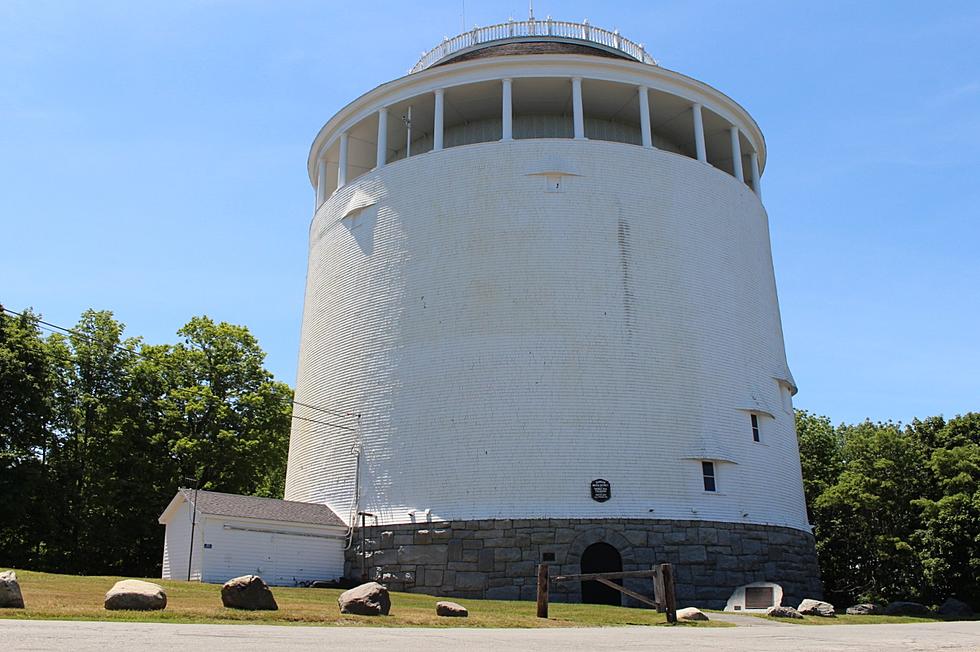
{"type": "Point", "coordinates": [328, 411]}
{"type": "Point", "coordinates": [54, 328]}
{"type": "Point", "coordinates": [325, 423]}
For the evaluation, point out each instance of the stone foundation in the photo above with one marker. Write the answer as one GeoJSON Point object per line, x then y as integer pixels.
{"type": "Point", "coordinates": [497, 559]}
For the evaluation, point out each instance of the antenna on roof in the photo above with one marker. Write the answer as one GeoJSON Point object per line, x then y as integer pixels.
{"type": "Point", "coordinates": [530, 9]}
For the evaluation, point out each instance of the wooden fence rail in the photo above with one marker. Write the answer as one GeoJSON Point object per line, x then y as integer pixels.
{"type": "Point", "coordinates": [664, 598]}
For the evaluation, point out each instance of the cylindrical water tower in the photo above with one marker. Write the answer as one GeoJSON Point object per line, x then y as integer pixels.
{"type": "Point", "coordinates": [540, 271]}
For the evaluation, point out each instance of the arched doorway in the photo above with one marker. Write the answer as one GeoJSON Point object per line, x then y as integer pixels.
{"type": "Point", "coordinates": [601, 558]}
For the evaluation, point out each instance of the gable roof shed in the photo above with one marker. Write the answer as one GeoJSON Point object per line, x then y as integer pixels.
{"type": "Point", "coordinates": [271, 509]}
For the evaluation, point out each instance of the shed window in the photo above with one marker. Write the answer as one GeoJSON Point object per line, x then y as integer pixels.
{"type": "Point", "coordinates": [755, 427]}
{"type": "Point", "coordinates": [708, 471]}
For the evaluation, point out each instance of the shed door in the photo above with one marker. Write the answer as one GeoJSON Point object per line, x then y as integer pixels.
{"type": "Point", "coordinates": [237, 553]}
{"type": "Point", "coordinates": [299, 558]}
{"type": "Point", "coordinates": [280, 558]}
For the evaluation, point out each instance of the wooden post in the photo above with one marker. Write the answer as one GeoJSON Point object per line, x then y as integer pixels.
{"type": "Point", "coordinates": [542, 590]}
{"type": "Point", "coordinates": [658, 590]}
{"type": "Point", "coordinates": [667, 574]}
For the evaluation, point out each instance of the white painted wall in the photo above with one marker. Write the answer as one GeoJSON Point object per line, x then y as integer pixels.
{"type": "Point", "coordinates": [176, 545]}
{"type": "Point", "coordinates": [507, 345]}
{"type": "Point", "coordinates": [283, 554]}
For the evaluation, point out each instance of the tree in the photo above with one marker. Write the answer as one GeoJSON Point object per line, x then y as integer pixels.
{"type": "Point", "coordinates": [225, 419]}
{"type": "Point", "coordinates": [98, 431]}
{"type": "Point", "coordinates": [896, 511]}
{"type": "Point", "coordinates": [866, 519]}
{"type": "Point", "coordinates": [949, 537]}
{"type": "Point", "coordinates": [26, 385]}
{"type": "Point", "coordinates": [820, 455]}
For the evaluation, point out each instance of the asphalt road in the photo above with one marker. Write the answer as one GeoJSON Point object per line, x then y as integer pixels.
{"type": "Point", "coordinates": [100, 636]}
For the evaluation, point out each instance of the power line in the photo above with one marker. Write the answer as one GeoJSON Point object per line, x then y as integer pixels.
{"type": "Point", "coordinates": [328, 411]}
{"type": "Point", "coordinates": [325, 423]}
{"type": "Point", "coordinates": [55, 328]}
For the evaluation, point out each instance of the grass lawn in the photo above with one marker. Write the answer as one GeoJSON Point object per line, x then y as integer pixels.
{"type": "Point", "coordinates": [71, 597]}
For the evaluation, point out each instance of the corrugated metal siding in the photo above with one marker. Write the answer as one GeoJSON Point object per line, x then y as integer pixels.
{"type": "Point", "coordinates": [507, 345]}
{"type": "Point", "coordinates": [282, 554]}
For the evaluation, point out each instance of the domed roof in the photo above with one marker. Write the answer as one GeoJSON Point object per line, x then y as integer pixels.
{"type": "Point", "coordinates": [529, 45]}
{"type": "Point", "coordinates": [533, 37]}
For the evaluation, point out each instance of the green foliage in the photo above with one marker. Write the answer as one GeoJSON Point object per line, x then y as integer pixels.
{"type": "Point", "coordinates": [26, 415]}
{"type": "Point", "coordinates": [896, 511]}
{"type": "Point", "coordinates": [820, 454]}
{"type": "Point", "coordinates": [98, 431]}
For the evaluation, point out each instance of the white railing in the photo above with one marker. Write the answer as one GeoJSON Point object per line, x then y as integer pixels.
{"type": "Point", "coordinates": [523, 28]}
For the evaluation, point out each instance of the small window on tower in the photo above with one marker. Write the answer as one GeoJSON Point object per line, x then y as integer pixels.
{"type": "Point", "coordinates": [755, 427]}
{"type": "Point", "coordinates": [708, 471]}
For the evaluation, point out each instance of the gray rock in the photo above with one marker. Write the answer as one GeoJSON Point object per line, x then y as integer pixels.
{"type": "Point", "coordinates": [10, 595]}
{"type": "Point", "coordinates": [248, 592]}
{"type": "Point", "coordinates": [507, 554]}
{"type": "Point", "coordinates": [370, 599]}
{"type": "Point", "coordinates": [451, 610]}
{"type": "Point", "coordinates": [471, 581]}
{"type": "Point", "coordinates": [954, 608]}
{"type": "Point", "coordinates": [783, 612]}
{"type": "Point", "coordinates": [865, 609]}
{"type": "Point", "coordinates": [810, 607]}
{"type": "Point", "coordinates": [691, 613]}
{"type": "Point", "coordinates": [135, 595]}
{"type": "Point", "coordinates": [426, 555]}
{"type": "Point", "coordinates": [906, 609]}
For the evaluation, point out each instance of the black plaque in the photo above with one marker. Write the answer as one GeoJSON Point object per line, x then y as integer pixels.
{"type": "Point", "coordinates": [601, 490]}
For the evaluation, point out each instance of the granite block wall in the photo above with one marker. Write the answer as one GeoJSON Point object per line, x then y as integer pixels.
{"type": "Point", "coordinates": [498, 559]}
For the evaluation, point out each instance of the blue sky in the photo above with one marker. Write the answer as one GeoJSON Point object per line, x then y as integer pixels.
{"type": "Point", "coordinates": [152, 162]}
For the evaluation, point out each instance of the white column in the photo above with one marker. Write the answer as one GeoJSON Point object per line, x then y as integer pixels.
{"type": "Point", "coordinates": [321, 181]}
{"type": "Point", "coordinates": [756, 177]}
{"type": "Point", "coordinates": [507, 112]}
{"type": "Point", "coordinates": [737, 155]}
{"type": "Point", "coordinates": [644, 94]}
{"type": "Point", "coordinates": [699, 133]}
{"type": "Point", "coordinates": [382, 137]}
{"type": "Point", "coordinates": [578, 119]}
{"type": "Point", "coordinates": [342, 165]}
{"type": "Point", "coordinates": [438, 121]}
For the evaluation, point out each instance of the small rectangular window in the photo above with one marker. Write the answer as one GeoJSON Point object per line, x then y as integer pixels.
{"type": "Point", "coordinates": [547, 556]}
{"type": "Point", "coordinates": [708, 471]}
{"type": "Point", "coordinates": [755, 427]}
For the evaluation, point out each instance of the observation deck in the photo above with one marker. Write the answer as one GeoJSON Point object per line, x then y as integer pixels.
{"type": "Point", "coordinates": [533, 31]}
{"type": "Point", "coordinates": [534, 79]}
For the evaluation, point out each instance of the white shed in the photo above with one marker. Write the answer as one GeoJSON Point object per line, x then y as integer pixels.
{"type": "Point", "coordinates": [283, 541]}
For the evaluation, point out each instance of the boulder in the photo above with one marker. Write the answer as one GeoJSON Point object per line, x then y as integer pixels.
{"type": "Point", "coordinates": [451, 610]}
{"type": "Point", "coordinates": [954, 608]}
{"type": "Point", "coordinates": [906, 609]}
{"type": "Point", "coordinates": [865, 609]}
{"type": "Point", "coordinates": [691, 613]}
{"type": "Point", "coordinates": [810, 607]}
{"type": "Point", "coordinates": [248, 592]}
{"type": "Point", "coordinates": [370, 599]}
{"type": "Point", "coordinates": [136, 595]}
{"type": "Point", "coordinates": [783, 612]}
{"type": "Point", "coordinates": [10, 595]}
